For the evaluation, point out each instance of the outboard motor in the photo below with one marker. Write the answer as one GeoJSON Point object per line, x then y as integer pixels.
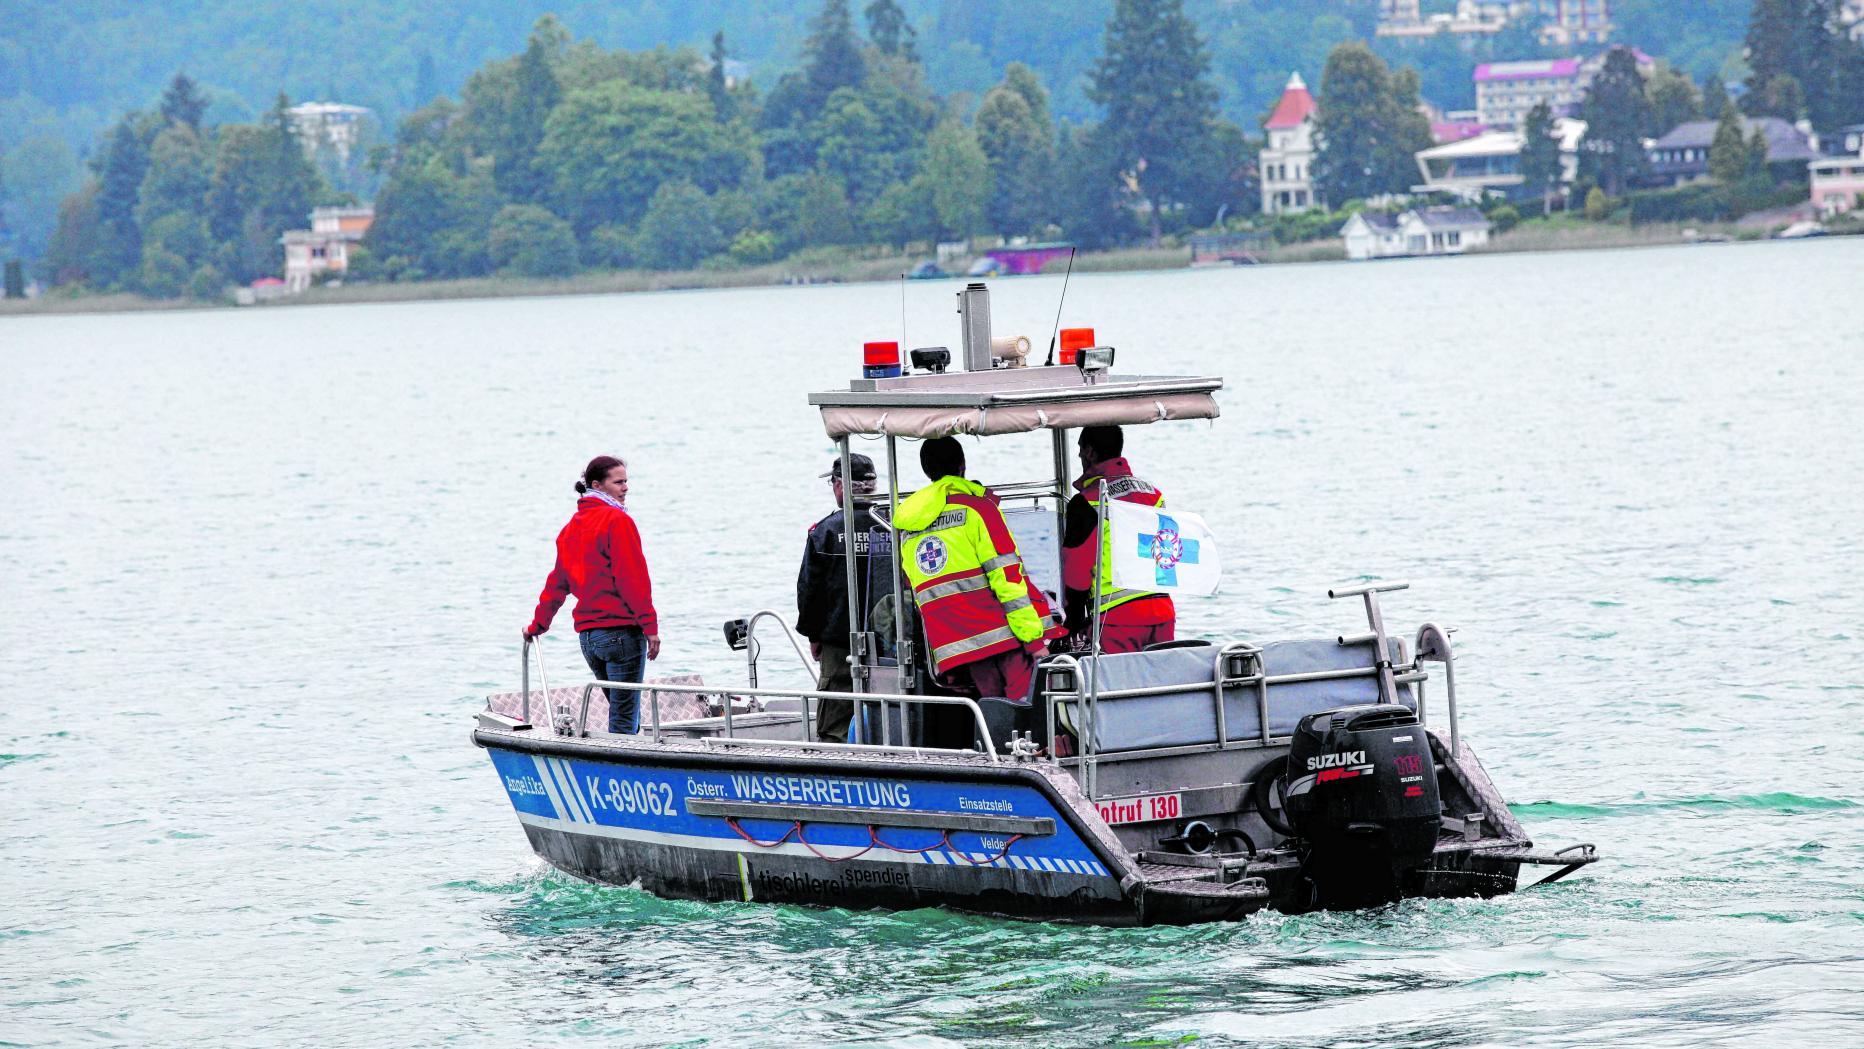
{"type": "Point", "coordinates": [1362, 791]}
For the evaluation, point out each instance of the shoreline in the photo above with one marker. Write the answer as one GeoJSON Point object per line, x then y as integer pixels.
{"type": "Point", "coordinates": [817, 269]}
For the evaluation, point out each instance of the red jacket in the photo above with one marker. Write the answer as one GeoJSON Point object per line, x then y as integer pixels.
{"type": "Point", "coordinates": [599, 560]}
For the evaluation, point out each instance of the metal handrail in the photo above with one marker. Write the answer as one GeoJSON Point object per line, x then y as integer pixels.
{"type": "Point", "coordinates": [1407, 674]}
{"type": "Point", "coordinates": [750, 630]}
{"type": "Point", "coordinates": [1433, 643]}
{"type": "Point", "coordinates": [977, 713]}
{"type": "Point", "coordinates": [524, 678]}
{"type": "Point", "coordinates": [752, 649]}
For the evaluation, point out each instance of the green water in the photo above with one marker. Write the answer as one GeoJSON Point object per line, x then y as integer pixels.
{"type": "Point", "coordinates": [257, 569]}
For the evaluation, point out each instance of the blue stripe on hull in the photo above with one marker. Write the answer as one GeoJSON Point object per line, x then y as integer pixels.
{"type": "Point", "coordinates": [647, 804]}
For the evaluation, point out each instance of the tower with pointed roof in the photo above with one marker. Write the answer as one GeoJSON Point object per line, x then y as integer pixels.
{"type": "Point", "coordinates": [1287, 163]}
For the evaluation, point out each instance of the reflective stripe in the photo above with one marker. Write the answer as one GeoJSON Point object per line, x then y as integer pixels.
{"type": "Point", "coordinates": [1126, 489]}
{"type": "Point", "coordinates": [1018, 604]}
{"type": "Point", "coordinates": [972, 644]}
{"type": "Point", "coordinates": [1120, 597]}
{"type": "Point", "coordinates": [955, 586]}
{"type": "Point", "coordinates": [1121, 487]}
{"type": "Point", "coordinates": [1002, 561]}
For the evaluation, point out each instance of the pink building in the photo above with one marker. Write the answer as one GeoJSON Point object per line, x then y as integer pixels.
{"type": "Point", "coordinates": [1838, 182]}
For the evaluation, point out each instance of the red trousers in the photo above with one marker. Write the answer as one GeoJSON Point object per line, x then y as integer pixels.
{"type": "Point", "coordinates": [1008, 675]}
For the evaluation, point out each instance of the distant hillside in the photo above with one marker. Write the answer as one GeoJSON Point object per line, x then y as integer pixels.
{"type": "Point", "coordinates": [68, 70]}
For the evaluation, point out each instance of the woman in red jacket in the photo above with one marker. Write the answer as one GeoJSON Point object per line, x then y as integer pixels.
{"type": "Point", "coordinates": [599, 560]}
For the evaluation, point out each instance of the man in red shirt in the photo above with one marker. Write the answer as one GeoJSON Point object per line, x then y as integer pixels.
{"type": "Point", "coordinates": [1130, 620]}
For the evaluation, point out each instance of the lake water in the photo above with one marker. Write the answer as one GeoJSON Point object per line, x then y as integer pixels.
{"type": "Point", "coordinates": [258, 568]}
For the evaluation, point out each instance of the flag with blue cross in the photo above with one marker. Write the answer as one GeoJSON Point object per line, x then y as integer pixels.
{"type": "Point", "coordinates": [1164, 550]}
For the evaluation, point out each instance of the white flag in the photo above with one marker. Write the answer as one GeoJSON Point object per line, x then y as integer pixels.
{"type": "Point", "coordinates": [1154, 548]}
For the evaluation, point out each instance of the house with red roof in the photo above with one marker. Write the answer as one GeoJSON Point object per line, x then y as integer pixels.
{"type": "Point", "coordinates": [1287, 161]}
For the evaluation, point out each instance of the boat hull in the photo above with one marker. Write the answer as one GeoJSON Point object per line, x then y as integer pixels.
{"type": "Point", "coordinates": [995, 838]}
{"type": "Point", "coordinates": [769, 824]}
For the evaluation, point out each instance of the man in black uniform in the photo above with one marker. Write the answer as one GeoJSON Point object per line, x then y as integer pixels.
{"type": "Point", "coordinates": [822, 594]}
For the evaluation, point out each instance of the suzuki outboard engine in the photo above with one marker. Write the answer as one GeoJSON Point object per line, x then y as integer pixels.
{"type": "Point", "coordinates": [1362, 791]}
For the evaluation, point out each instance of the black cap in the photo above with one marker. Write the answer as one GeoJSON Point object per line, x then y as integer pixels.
{"type": "Point", "coordinates": [862, 467]}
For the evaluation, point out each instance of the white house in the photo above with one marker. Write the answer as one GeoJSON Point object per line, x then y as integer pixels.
{"type": "Point", "coordinates": [1372, 235]}
{"type": "Point", "coordinates": [1491, 162]}
{"type": "Point", "coordinates": [1420, 231]}
{"type": "Point", "coordinates": [1287, 164]}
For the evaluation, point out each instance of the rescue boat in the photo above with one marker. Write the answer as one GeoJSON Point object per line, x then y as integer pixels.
{"type": "Point", "coordinates": [1198, 781]}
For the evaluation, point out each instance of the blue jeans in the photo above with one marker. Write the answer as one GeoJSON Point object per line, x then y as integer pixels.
{"type": "Point", "coordinates": [617, 653]}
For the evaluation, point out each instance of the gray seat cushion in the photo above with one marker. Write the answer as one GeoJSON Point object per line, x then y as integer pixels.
{"type": "Point", "coordinates": [1176, 719]}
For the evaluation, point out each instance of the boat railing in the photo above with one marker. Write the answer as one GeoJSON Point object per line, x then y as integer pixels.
{"type": "Point", "coordinates": [1236, 665]}
{"type": "Point", "coordinates": [1433, 644]}
{"type": "Point", "coordinates": [524, 677]}
{"type": "Point", "coordinates": [803, 695]}
{"type": "Point", "coordinates": [753, 650]}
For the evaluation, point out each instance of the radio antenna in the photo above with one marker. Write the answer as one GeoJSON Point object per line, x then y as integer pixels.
{"type": "Point", "coordinates": [1064, 298]}
{"type": "Point", "coordinates": [903, 343]}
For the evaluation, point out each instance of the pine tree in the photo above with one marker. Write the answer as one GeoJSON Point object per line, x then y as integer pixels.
{"type": "Point", "coordinates": [1756, 155]}
{"type": "Point", "coordinates": [426, 80]}
{"type": "Point", "coordinates": [1775, 41]}
{"type": "Point", "coordinates": [888, 28]}
{"type": "Point", "coordinates": [1153, 79]}
{"type": "Point", "coordinates": [1616, 114]}
{"type": "Point", "coordinates": [120, 170]}
{"type": "Point", "coordinates": [1540, 155]}
{"type": "Point", "coordinates": [831, 56]}
{"type": "Point", "coordinates": [1728, 158]}
{"type": "Point", "coordinates": [287, 186]}
{"type": "Point", "coordinates": [715, 85]}
{"type": "Point", "coordinates": [535, 92]}
{"type": "Point", "coordinates": [1801, 64]}
{"type": "Point", "coordinates": [182, 102]}
{"type": "Point", "coordinates": [1714, 95]}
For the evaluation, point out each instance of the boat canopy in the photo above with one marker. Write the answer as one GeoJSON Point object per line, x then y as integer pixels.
{"type": "Point", "coordinates": [1011, 400]}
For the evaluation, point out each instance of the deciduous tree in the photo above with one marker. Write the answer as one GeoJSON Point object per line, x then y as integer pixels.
{"type": "Point", "coordinates": [1017, 135]}
{"type": "Point", "coordinates": [528, 241]}
{"type": "Point", "coordinates": [1673, 100]}
{"type": "Point", "coordinates": [1781, 96]}
{"type": "Point", "coordinates": [1152, 78]}
{"type": "Point", "coordinates": [960, 176]}
{"type": "Point", "coordinates": [679, 229]}
{"type": "Point", "coordinates": [1369, 127]}
{"type": "Point", "coordinates": [609, 147]}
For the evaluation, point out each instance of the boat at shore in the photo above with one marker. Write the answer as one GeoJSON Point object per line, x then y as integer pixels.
{"type": "Point", "coordinates": [1195, 781]}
